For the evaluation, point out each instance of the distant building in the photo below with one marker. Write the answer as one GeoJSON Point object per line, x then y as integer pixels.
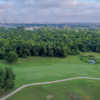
{"type": "Point", "coordinates": [31, 28]}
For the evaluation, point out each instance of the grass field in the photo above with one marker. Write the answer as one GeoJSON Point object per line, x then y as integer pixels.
{"type": "Point", "coordinates": [40, 69]}
{"type": "Point", "coordinates": [70, 90]}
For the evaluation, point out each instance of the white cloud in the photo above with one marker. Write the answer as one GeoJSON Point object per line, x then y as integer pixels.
{"type": "Point", "coordinates": [51, 11]}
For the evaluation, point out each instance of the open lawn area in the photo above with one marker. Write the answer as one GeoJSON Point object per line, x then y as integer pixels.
{"type": "Point", "coordinates": [70, 90]}
{"type": "Point", "coordinates": [41, 69]}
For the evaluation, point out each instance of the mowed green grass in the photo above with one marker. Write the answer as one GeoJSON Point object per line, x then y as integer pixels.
{"type": "Point", "coordinates": [40, 69]}
{"type": "Point", "coordinates": [70, 90]}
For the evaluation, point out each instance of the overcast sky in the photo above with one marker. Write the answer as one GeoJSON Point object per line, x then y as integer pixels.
{"type": "Point", "coordinates": [49, 11]}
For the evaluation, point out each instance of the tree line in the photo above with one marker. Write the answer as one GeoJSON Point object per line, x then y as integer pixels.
{"type": "Point", "coordinates": [51, 42]}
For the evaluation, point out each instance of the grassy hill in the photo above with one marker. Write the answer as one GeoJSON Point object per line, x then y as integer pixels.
{"type": "Point", "coordinates": [71, 90]}
{"type": "Point", "coordinates": [40, 69]}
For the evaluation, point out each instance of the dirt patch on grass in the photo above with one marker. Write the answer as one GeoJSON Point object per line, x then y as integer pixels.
{"type": "Point", "coordinates": [87, 97]}
{"type": "Point", "coordinates": [49, 97]}
{"type": "Point", "coordinates": [74, 96]}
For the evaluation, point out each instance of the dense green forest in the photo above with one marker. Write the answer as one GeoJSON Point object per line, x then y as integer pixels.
{"type": "Point", "coordinates": [19, 42]}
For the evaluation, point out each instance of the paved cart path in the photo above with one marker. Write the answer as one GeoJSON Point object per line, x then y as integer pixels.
{"type": "Point", "coordinates": [44, 83]}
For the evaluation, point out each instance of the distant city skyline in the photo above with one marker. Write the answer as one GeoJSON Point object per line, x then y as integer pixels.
{"type": "Point", "coordinates": [49, 11]}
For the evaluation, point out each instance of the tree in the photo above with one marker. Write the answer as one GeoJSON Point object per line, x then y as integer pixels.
{"type": "Point", "coordinates": [11, 57]}
{"type": "Point", "coordinates": [7, 78]}
{"type": "Point", "coordinates": [2, 53]}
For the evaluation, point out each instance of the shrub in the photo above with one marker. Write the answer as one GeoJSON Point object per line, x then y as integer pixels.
{"type": "Point", "coordinates": [84, 59]}
{"type": "Point", "coordinates": [2, 53]}
{"type": "Point", "coordinates": [11, 57]}
{"type": "Point", "coordinates": [7, 78]}
{"type": "Point", "coordinates": [97, 60]}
